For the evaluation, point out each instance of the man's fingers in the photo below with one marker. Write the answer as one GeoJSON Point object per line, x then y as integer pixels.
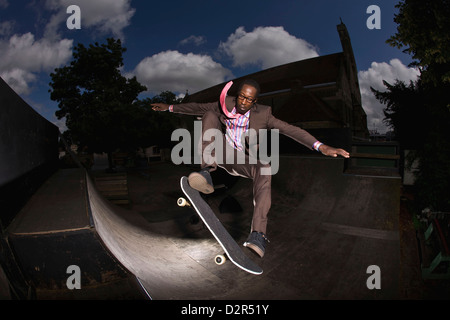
{"type": "Point", "coordinates": [343, 153]}
{"type": "Point", "coordinates": [333, 152]}
{"type": "Point", "coordinates": [157, 107]}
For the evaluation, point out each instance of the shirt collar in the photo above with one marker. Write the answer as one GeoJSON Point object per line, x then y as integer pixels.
{"type": "Point", "coordinates": [247, 114]}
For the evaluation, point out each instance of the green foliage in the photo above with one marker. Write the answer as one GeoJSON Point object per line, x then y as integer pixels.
{"type": "Point", "coordinates": [433, 177]}
{"type": "Point", "coordinates": [160, 125]}
{"type": "Point", "coordinates": [419, 112]}
{"type": "Point", "coordinates": [101, 106]}
{"type": "Point", "coordinates": [405, 112]}
{"type": "Point", "coordinates": [420, 118]}
{"type": "Point", "coordinates": [423, 30]}
{"type": "Point", "coordinates": [97, 101]}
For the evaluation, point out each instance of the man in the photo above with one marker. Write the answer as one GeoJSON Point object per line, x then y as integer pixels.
{"type": "Point", "coordinates": [234, 117]}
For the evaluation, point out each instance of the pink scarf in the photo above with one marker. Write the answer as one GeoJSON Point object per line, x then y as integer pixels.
{"type": "Point", "coordinates": [223, 95]}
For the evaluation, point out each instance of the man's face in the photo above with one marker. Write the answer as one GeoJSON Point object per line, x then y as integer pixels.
{"type": "Point", "coordinates": [246, 98]}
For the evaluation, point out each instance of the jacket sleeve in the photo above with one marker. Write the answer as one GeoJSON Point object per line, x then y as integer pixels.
{"type": "Point", "coordinates": [196, 109]}
{"type": "Point", "coordinates": [291, 131]}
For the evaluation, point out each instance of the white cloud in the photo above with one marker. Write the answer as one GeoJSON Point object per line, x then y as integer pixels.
{"type": "Point", "coordinates": [196, 40]}
{"type": "Point", "coordinates": [177, 72]}
{"type": "Point", "coordinates": [18, 79]}
{"type": "Point", "coordinates": [102, 16]}
{"type": "Point", "coordinates": [266, 47]}
{"type": "Point", "coordinates": [373, 77]}
{"type": "Point", "coordinates": [25, 52]}
{"type": "Point", "coordinates": [60, 123]}
{"type": "Point", "coordinates": [22, 56]}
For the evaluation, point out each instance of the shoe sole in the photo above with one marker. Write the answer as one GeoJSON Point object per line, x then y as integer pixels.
{"type": "Point", "coordinates": [199, 183]}
{"type": "Point", "coordinates": [255, 248]}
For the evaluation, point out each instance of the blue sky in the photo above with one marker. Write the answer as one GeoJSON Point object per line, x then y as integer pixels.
{"type": "Point", "coordinates": [192, 45]}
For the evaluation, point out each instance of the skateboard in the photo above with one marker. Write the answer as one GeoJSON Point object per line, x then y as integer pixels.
{"type": "Point", "coordinates": [229, 245]}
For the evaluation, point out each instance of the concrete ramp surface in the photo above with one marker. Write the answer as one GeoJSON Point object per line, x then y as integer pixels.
{"type": "Point", "coordinates": [326, 229]}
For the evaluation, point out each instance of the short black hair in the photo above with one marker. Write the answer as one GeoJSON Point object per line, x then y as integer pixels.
{"type": "Point", "coordinates": [250, 82]}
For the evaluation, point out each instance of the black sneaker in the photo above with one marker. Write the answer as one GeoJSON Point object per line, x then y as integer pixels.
{"type": "Point", "coordinates": [257, 242]}
{"type": "Point", "coordinates": [201, 181]}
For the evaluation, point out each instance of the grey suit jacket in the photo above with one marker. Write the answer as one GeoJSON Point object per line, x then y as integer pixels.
{"type": "Point", "coordinates": [260, 118]}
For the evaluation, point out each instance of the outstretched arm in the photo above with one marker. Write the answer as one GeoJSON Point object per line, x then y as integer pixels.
{"type": "Point", "coordinates": [303, 137]}
{"type": "Point", "coordinates": [160, 107]}
{"type": "Point", "coordinates": [333, 152]}
{"type": "Point", "coordinates": [191, 108]}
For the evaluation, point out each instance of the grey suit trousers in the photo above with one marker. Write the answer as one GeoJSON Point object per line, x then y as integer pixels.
{"type": "Point", "coordinates": [232, 161]}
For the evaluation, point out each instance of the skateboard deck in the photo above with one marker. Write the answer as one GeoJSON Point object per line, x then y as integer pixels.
{"type": "Point", "coordinates": [229, 245]}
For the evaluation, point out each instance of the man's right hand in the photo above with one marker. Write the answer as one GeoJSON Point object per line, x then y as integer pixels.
{"type": "Point", "coordinates": [159, 106]}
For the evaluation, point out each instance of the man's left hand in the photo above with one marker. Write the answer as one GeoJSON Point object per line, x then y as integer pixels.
{"type": "Point", "coordinates": [333, 152]}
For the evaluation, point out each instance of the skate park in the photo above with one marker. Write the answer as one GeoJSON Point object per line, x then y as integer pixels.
{"type": "Point", "coordinates": [327, 225]}
{"type": "Point", "coordinates": [337, 230]}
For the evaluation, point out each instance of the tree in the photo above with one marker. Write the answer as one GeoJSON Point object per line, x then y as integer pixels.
{"type": "Point", "coordinates": [160, 125]}
{"type": "Point", "coordinates": [405, 112]}
{"type": "Point", "coordinates": [99, 104]}
{"type": "Point", "coordinates": [423, 31]}
{"type": "Point", "coordinates": [420, 112]}
{"type": "Point", "coordinates": [422, 127]}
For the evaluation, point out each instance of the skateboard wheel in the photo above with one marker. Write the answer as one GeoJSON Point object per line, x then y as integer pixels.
{"type": "Point", "coordinates": [220, 259]}
{"type": "Point", "coordinates": [182, 202]}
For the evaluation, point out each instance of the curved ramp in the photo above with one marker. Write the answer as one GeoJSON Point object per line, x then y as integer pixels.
{"type": "Point", "coordinates": [166, 270]}
{"type": "Point", "coordinates": [326, 229]}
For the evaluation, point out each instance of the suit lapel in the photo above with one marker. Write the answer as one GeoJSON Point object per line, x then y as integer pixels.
{"type": "Point", "coordinates": [254, 117]}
